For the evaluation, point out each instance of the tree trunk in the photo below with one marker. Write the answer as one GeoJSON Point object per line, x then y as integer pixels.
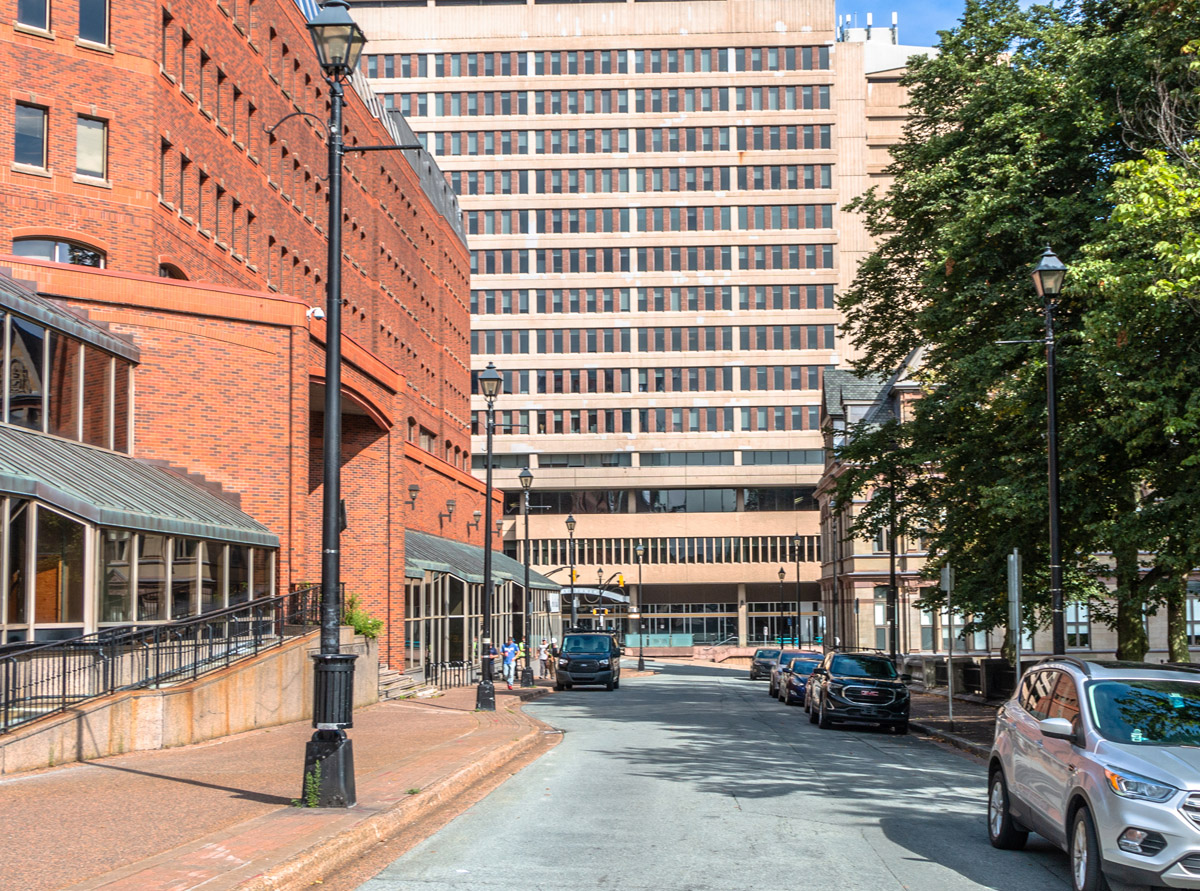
{"type": "Point", "coordinates": [1130, 626]}
{"type": "Point", "coordinates": [1177, 642]}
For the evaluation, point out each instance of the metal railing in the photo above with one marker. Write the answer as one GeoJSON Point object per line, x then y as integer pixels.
{"type": "Point", "coordinates": [445, 675]}
{"type": "Point", "coordinates": [41, 679]}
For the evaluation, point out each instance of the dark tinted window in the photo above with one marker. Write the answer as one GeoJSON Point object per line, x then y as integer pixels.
{"type": "Point", "coordinates": [863, 667]}
{"type": "Point", "coordinates": [587, 644]}
{"type": "Point", "coordinates": [1037, 691]}
{"type": "Point", "coordinates": [766, 654]}
{"type": "Point", "coordinates": [804, 666]}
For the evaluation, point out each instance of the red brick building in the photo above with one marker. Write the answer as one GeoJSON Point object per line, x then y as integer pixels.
{"type": "Point", "coordinates": [143, 189]}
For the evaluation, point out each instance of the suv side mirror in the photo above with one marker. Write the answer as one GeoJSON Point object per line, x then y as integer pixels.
{"type": "Point", "coordinates": [906, 678]}
{"type": "Point", "coordinates": [1057, 728]}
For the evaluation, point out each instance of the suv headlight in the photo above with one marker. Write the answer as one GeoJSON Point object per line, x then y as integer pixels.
{"type": "Point", "coordinates": [1130, 785]}
{"type": "Point", "coordinates": [837, 689]}
{"type": "Point", "coordinates": [563, 663]}
{"type": "Point", "coordinates": [603, 663]}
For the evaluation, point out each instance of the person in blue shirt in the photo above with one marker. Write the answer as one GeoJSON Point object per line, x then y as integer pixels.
{"type": "Point", "coordinates": [509, 651]}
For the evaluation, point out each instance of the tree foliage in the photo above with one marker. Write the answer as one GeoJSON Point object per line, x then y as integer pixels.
{"type": "Point", "coordinates": [1030, 127]}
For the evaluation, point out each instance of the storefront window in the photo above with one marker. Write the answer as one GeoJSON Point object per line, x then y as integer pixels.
{"type": "Point", "coordinates": [212, 576]}
{"type": "Point", "coordinates": [152, 578]}
{"type": "Point", "coordinates": [115, 578]}
{"type": "Point", "coordinates": [58, 586]}
{"type": "Point", "coordinates": [264, 572]}
{"type": "Point", "coordinates": [26, 362]}
{"type": "Point", "coordinates": [18, 560]}
{"type": "Point", "coordinates": [184, 576]}
{"type": "Point", "coordinates": [97, 374]}
{"type": "Point", "coordinates": [239, 574]}
{"type": "Point", "coordinates": [62, 382]}
{"type": "Point", "coordinates": [121, 405]}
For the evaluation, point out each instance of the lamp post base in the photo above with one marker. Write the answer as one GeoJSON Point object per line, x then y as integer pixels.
{"type": "Point", "coordinates": [329, 771]}
{"type": "Point", "coordinates": [485, 696]}
{"type": "Point", "coordinates": [641, 662]}
{"type": "Point", "coordinates": [527, 677]}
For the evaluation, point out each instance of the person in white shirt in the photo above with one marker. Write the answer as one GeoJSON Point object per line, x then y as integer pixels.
{"type": "Point", "coordinates": [544, 659]}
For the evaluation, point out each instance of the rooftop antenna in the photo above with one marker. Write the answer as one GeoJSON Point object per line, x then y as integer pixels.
{"type": "Point", "coordinates": [895, 27]}
{"type": "Point", "coordinates": [868, 26]}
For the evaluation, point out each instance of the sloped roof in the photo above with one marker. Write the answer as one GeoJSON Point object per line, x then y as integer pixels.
{"type": "Point", "coordinates": [842, 386]}
{"type": "Point", "coordinates": [116, 490]}
{"type": "Point", "coordinates": [431, 553]}
{"type": "Point", "coordinates": [24, 301]}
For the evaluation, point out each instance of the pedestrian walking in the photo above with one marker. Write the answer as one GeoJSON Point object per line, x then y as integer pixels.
{"type": "Point", "coordinates": [509, 653]}
{"type": "Point", "coordinates": [543, 659]}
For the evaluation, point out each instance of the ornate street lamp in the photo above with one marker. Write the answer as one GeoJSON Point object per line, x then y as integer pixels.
{"type": "Point", "coordinates": [526, 478]}
{"type": "Point", "coordinates": [490, 382]}
{"type": "Point", "coordinates": [329, 755]}
{"type": "Point", "coordinates": [782, 617]}
{"type": "Point", "coordinates": [796, 542]}
{"type": "Point", "coordinates": [641, 552]}
{"type": "Point", "coordinates": [571, 560]}
{"type": "Point", "coordinates": [1048, 278]}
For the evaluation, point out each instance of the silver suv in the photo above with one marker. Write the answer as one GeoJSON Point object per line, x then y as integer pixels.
{"type": "Point", "coordinates": [1103, 759]}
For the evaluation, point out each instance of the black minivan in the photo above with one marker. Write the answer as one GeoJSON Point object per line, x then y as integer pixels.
{"type": "Point", "coordinates": [588, 659]}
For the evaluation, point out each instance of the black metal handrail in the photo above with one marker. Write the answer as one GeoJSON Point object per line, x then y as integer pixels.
{"type": "Point", "coordinates": [445, 675]}
{"type": "Point", "coordinates": [41, 679]}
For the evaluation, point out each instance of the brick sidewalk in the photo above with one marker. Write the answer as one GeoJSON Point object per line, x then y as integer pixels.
{"type": "Point", "coordinates": [974, 722]}
{"type": "Point", "coordinates": [220, 814]}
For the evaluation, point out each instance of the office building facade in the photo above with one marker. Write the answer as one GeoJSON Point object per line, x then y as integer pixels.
{"type": "Point", "coordinates": [652, 194]}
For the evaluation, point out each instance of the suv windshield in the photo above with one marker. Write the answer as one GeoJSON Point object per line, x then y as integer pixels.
{"type": "Point", "coordinates": [766, 654]}
{"type": "Point", "coordinates": [863, 667]}
{"type": "Point", "coordinates": [804, 666]}
{"type": "Point", "coordinates": [588, 644]}
{"type": "Point", "coordinates": [1154, 713]}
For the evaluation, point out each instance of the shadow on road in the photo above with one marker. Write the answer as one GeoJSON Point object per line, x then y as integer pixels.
{"type": "Point", "coordinates": [732, 739]}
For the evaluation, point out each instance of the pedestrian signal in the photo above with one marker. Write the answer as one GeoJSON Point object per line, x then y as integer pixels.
{"type": "Point", "coordinates": [621, 580]}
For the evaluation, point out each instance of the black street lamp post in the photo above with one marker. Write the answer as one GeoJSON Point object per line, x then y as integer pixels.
{"type": "Point", "coordinates": [485, 694]}
{"type": "Point", "coordinates": [782, 617]}
{"type": "Point", "coordinates": [571, 560]}
{"type": "Point", "coordinates": [329, 755]}
{"type": "Point", "coordinates": [796, 542]}
{"type": "Point", "coordinates": [641, 551]}
{"type": "Point", "coordinates": [526, 478]}
{"type": "Point", "coordinates": [1047, 281]}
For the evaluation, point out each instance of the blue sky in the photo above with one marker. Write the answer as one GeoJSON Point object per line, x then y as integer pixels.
{"type": "Point", "coordinates": [920, 20]}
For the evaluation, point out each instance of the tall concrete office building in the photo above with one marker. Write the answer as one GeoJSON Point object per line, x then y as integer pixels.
{"type": "Point", "coordinates": [652, 193]}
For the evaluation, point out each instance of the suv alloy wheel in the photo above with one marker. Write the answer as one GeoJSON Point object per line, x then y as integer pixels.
{"type": "Point", "coordinates": [1003, 830]}
{"type": "Point", "coordinates": [1085, 854]}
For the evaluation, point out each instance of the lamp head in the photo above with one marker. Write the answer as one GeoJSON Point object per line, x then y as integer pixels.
{"type": "Point", "coordinates": [490, 381]}
{"type": "Point", "coordinates": [639, 550]}
{"type": "Point", "coordinates": [781, 573]}
{"type": "Point", "coordinates": [1048, 275]}
{"type": "Point", "coordinates": [414, 490]}
{"type": "Point", "coordinates": [570, 523]}
{"type": "Point", "coordinates": [526, 478]}
{"type": "Point", "coordinates": [337, 38]}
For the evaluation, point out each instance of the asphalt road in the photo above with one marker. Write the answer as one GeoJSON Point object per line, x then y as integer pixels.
{"type": "Point", "coordinates": [695, 779]}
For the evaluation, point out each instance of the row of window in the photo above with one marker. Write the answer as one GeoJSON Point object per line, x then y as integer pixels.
{"type": "Point", "coordinates": [656, 551]}
{"type": "Point", "coordinates": [744, 419]}
{"type": "Point", "coordinates": [552, 62]}
{"type": "Point", "coordinates": [31, 141]}
{"type": "Point", "coordinates": [685, 379]}
{"type": "Point", "coordinates": [649, 219]}
{"type": "Point", "coordinates": [656, 501]}
{"type": "Point", "coordinates": [653, 259]}
{"type": "Point", "coordinates": [656, 459]}
{"type": "Point", "coordinates": [618, 139]}
{"type": "Point", "coordinates": [657, 339]}
{"type": "Point", "coordinates": [92, 21]}
{"type": "Point", "coordinates": [56, 384]}
{"type": "Point", "coordinates": [140, 577]}
{"type": "Point", "coordinates": [754, 177]}
{"type": "Point", "coordinates": [700, 298]}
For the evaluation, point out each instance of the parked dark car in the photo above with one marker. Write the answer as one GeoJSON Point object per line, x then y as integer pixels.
{"type": "Point", "coordinates": [785, 657]}
{"type": "Point", "coordinates": [588, 659]}
{"type": "Point", "coordinates": [858, 687]}
{"type": "Point", "coordinates": [794, 679]}
{"type": "Point", "coordinates": [760, 664]}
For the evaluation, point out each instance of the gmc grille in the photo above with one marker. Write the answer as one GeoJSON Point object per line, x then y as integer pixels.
{"type": "Point", "coordinates": [870, 695]}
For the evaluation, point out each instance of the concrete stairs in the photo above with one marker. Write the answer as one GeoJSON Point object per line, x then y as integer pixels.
{"type": "Point", "coordinates": [398, 685]}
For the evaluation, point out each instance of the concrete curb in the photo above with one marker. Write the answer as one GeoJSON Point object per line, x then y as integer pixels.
{"type": "Point", "coordinates": [328, 855]}
{"type": "Point", "coordinates": [959, 742]}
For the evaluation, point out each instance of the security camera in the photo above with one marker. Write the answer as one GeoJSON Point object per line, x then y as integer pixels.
{"type": "Point", "coordinates": [315, 312]}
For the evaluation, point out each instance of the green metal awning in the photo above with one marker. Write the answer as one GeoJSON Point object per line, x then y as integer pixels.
{"type": "Point", "coordinates": [110, 489]}
{"type": "Point", "coordinates": [430, 553]}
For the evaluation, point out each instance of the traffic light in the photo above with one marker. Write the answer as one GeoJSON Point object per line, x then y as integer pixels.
{"type": "Point", "coordinates": [620, 580]}
{"type": "Point", "coordinates": [599, 612]}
